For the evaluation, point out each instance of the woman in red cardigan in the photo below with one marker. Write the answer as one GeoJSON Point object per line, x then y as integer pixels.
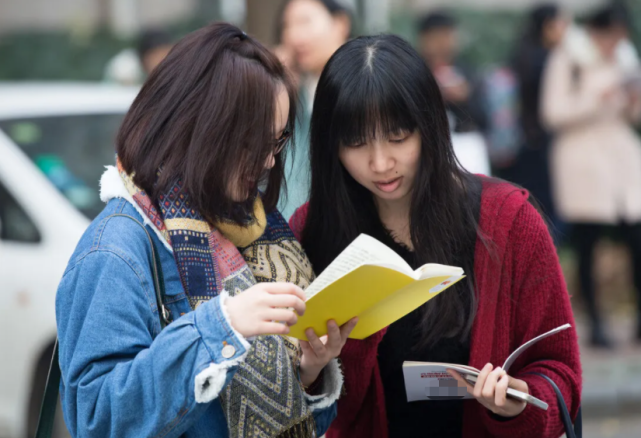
{"type": "Point", "coordinates": [383, 164]}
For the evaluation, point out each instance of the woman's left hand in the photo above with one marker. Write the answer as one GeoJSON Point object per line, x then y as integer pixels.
{"type": "Point", "coordinates": [491, 390]}
{"type": "Point", "coordinates": [317, 352]}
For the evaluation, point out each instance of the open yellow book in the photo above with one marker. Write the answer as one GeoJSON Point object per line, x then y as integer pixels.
{"type": "Point", "coordinates": [371, 281]}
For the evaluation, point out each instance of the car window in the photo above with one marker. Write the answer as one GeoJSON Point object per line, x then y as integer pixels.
{"type": "Point", "coordinates": [72, 151]}
{"type": "Point", "coordinates": [15, 223]}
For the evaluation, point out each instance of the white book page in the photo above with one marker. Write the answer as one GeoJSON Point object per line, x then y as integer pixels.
{"type": "Point", "coordinates": [435, 270]}
{"type": "Point", "coordinates": [433, 382]}
{"type": "Point", "coordinates": [364, 250]}
{"type": "Point", "coordinates": [510, 360]}
{"type": "Point", "coordinates": [466, 368]}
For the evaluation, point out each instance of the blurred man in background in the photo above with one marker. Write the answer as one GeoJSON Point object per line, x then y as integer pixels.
{"type": "Point", "coordinates": [439, 46]}
{"type": "Point", "coordinates": [132, 66]}
{"type": "Point", "coordinates": [153, 47]}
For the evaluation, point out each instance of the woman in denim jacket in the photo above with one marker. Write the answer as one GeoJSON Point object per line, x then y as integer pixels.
{"type": "Point", "coordinates": [205, 131]}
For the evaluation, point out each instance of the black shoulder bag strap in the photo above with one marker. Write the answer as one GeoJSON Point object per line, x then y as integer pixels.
{"type": "Point", "coordinates": [571, 431]}
{"type": "Point", "coordinates": [50, 399]}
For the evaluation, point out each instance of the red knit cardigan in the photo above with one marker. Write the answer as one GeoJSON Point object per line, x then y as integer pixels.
{"type": "Point", "coordinates": [522, 294]}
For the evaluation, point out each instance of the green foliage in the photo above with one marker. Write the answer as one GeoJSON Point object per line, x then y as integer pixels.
{"type": "Point", "coordinates": [488, 37]}
{"type": "Point", "coordinates": [73, 55]}
{"type": "Point", "coordinates": [50, 56]}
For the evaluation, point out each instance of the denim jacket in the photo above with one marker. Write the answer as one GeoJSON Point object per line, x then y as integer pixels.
{"type": "Point", "coordinates": [121, 375]}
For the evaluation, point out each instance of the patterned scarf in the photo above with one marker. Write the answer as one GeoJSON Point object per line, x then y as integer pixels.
{"type": "Point", "coordinates": [265, 397]}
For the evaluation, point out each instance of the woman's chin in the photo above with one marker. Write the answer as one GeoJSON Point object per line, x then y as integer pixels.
{"type": "Point", "coordinates": [244, 196]}
{"type": "Point", "coordinates": [396, 195]}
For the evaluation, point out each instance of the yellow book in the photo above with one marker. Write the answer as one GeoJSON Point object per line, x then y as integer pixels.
{"type": "Point", "coordinates": [371, 281]}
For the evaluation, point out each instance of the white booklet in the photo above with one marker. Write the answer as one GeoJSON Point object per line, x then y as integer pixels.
{"type": "Point", "coordinates": [430, 380]}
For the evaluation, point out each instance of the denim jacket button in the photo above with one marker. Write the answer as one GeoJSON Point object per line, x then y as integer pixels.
{"type": "Point", "coordinates": [228, 351]}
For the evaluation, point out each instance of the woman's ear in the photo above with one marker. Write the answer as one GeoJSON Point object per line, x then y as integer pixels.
{"type": "Point", "coordinates": [343, 24]}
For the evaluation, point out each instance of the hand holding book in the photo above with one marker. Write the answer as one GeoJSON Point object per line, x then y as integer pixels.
{"type": "Point", "coordinates": [317, 352]}
{"type": "Point", "coordinates": [372, 282]}
{"type": "Point", "coordinates": [491, 390]}
{"type": "Point", "coordinates": [435, 381]}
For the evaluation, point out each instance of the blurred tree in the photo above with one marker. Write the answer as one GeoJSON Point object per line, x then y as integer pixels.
{"type": "Point", "coordinates": [261, 19]}
{"type": "Point", "coordinates": [488, 37]}
{"type": "Point", "coordinates": [103, 12]}
{"type": "Point", "coordinates": [208, 10]}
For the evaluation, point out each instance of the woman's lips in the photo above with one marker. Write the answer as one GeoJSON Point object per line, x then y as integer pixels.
{"type": "Point", "coordinates": [388, 186]}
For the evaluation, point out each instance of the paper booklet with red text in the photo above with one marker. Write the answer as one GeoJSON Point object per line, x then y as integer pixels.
{"type": "Point", "coordinates": [430, 380]}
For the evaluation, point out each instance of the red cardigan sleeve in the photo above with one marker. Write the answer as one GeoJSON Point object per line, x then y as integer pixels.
{"type": "Point", "coordinates": [297, 221]}
{"type": "Point", "coordinates": [541, 304]}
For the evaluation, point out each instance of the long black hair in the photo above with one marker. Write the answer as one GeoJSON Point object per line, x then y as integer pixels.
{"type": "Point", "coordinates": [613, 14]}
{"type": "Point", "coordinates": [531, 42]}
{"type": "Point", "coordinates": [377, 86]}
{"type": "Point", "coordinates": [537, 19]}
{"type": "Point", "coordinates": [528, 62]}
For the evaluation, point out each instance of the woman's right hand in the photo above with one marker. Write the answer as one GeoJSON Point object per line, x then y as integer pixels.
{"type": "Point", "coordinates": [256, 311]}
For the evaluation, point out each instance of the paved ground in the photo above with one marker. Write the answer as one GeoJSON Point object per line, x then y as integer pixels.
{"type": "Point", "coordinates": [612, 384]}
{"type": "Point", "coordinates": [612, 379]}
{"type": "Point", "coordinates": [626, 427]}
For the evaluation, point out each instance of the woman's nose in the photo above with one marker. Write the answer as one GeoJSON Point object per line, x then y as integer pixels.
{"type": "Point", "coordinates": [380, 161]}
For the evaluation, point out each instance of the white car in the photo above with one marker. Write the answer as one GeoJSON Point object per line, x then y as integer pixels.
{"type": "Point", "coordinates": [55, 139]}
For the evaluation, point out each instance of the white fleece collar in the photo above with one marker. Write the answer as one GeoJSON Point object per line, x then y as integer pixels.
{"type": "Point", "coordinates": [112, 186]}
{"type": "Point", "coordinates": [580, 47]}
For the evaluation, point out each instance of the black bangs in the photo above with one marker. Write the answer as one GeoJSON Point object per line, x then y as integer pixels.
{"type": "Point", "coordinates": [371, 106]}
{"type": "Point", "coordinates": [374, 87]}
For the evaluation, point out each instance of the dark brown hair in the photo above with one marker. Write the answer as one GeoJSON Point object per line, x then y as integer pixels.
{"type": "Point", "coordinates": [206, 115]}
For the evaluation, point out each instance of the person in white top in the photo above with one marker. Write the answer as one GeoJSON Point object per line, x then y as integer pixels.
{"type": "Point", "coordinates": [591, 99]}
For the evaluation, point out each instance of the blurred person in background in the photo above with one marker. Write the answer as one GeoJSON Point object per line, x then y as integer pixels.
{"type": "Point", "coordinates": [461, 89]}
{"type": "Point", "coordinates": [132, 66]}
{"type": "Point", "coordinates": [591, 98]}
{"type": "Point", "coordinates": [439, 46]}
{"type": "Point", "coordinates": [544, 30]}
{"type": "Point", "coordinates": [207, 127]}
{"type": "Point", "coordinates": [310, 32]}
{"type": "Point", "coordinates": [153, 47]}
